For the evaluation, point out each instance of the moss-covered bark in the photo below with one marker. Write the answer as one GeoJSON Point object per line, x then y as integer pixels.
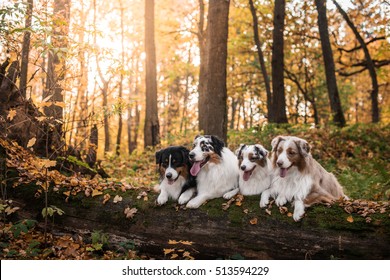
{"type": "Point", "coordinates": [245, 230]}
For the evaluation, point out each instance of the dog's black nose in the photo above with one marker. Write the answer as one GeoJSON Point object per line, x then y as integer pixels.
{"type": "Point", "coordinates": [279, 163]}
{"type": "Point", "coordinates": [243, 167]}
{"type": "Point", "coordinates": [168, 175]}
{"type": "Point", "coordinates": [191, 155]}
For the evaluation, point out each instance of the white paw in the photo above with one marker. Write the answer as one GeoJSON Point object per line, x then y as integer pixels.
{"type": "Point", "coordinates": [162, 199]}
{"type": "Point", "coordinates": [263, 203]}
{"type": "Point", "coordinates": [298, 214]}
{"type": "Point", "coordinates": [230, 194]}
{"type": "Point", "coordinates": [280, 201]}
{"type": "Point", "coordinates": [193, 204]}
{"type": "Point", "coordinates": [183, 199]}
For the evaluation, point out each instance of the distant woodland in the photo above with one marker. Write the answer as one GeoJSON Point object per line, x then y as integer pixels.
{"type": "Point", "coordinates": [116, 76]}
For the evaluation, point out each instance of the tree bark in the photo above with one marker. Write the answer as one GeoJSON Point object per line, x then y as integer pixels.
{"type": "Point", "coordinates": [26, 50]}
{"type": "Point", "coordinates": [152, 126]}
{"type": "Point", "coordinates": [278, 99]}
{"type": "Point", "coordinates": [335, 103]}
{"type": "Point", "coordinates": [261, 58]}
{"type": "Point", "coordinates": [202, 84]}
{"type": "Point", "coordinates": [214, 116]}
{"type": "Point", "coordinates": [370, 64]}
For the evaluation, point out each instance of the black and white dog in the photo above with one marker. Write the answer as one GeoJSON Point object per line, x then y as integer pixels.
{"type": "Point", "coordinates": [175, 178]}
{"type": "Point", "coordinates": [216, 171]}
{"type": "Point", "coordinates": [255, 169]}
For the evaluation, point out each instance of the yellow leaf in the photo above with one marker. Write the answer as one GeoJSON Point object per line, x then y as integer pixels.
{"type": "Point", "coordinates": [96, 193]}
{"type": "Point", "coordinates": [350, 219]}
{"type": "Point", "coordinates": [67, 193]}
{"type": "Point", "coordinates": [238, 203]}
{"type": "Point", "coordinates": [189, 243]}
{"type": "Point", "coordinates": [253, 221]}
{"type": "Point", "coordinates": [172, 242]}
{"type": "Point", "coordinates": [48, 163]}
{"type": "Point", "coordinates": [174, 256]}
{"type": "Point", "coordinates": [31, 142]}
{"type": "Point", "coordinates": [11, 114]}
{"type": "Point", "coordinates": [168, 251]}
{"type": "Point", "coordinates": [289, 214]}
{"type": "Point", "coordinates": [60, 104]}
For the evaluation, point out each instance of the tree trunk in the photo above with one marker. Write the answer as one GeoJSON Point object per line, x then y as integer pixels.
{"type": "Point", "coordinates": [278, 99]}
{"type": "Point", "coordinates": [370, 64]}
{"type": "Point", "coordinates": [202, 84]}
{"type": "Point", "coordinates": [261, 58]}
{"type": "Point", "coordinates": [335, 103]}
{"type": "Point", "coordinates": [26, 50]}
{"type": "Point", "coordinates": [214, 116]}
{"type": "Point", "coordinates": [120, 121]}
{"type": "Point", "coordinates": [152, 126]}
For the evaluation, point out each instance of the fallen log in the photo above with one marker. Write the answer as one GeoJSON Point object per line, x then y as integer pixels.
{"type": "Point", "coordinates": [242, 230]}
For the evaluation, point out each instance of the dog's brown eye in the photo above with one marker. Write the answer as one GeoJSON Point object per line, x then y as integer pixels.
{"type": "Point", "coordinates": [291, 153]}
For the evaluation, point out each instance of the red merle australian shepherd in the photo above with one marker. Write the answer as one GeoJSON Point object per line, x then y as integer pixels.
{"type": "Point", "coordinates": [298, 177]}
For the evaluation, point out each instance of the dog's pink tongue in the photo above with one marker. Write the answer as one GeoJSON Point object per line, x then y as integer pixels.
{"type": "Point", "coordinates": [283, 172]}
{"type": "Point", "coordinates": [195, 168]}
{"type": "Point", "coordinates": [246, 175]}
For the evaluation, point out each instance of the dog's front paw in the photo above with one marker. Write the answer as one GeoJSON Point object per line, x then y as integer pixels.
{"type": "Point", "coordinates": [280, 201]}
{"type": "Point", "coordinates": [162, 199]}
{"type": "Point", "coordinates": [298, 214]}
{"type": "Point", "coordinates": [194, 203]}
{"type": "Point", "coordinates": [183, 199]}
{"type": "Point", "coordinates": [263, 203]}
{"type": "Point", "coordinates": [230, 194]}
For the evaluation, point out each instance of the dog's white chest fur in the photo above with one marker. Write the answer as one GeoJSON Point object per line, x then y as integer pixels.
{"type": "Point", "coordinates": [258, 182]}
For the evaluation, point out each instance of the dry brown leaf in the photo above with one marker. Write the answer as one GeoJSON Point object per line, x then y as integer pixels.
{"type": "Point", "coordinates": [130, 212]}
{"type": "Point", "coordinates": [95, 192]}
{"type": "Point", "coordinates": [174, 256]}
{"type": "Point", "coordinates": [106, 198]}
{"type": "Point", "coordinates": [350, 219]}
{"type": "Point", "coordinates": [238, 203]}
{"type": "Point", "coordinates": [170, 241]}
{"type": "Point", "coordinates": [246, 211]}
{"type": "Point", "coordinates": [67, 193]}
{"type": "Point", "coordinates": [11, 114]}
{"type": "Point", "coordinates": [186, 242]}
{"type": "Point", "coordinates": [117, 199]}
{"type": "Point", "coordinates": [31, 142]}
{"type": "Point", "coordinates": [289, 214]}
{"type": "Point", "coordinates": [74, 182]}
{"type": "Point", "coordinates": [253, 221]}
{"type": "Point", "coordinates": [268, 211]}
{"type": "Point", "coordinates": [168, 251]}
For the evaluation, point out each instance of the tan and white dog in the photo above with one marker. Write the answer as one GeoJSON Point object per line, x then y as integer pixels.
{"type": "Point", "coordinates": [298, 177]}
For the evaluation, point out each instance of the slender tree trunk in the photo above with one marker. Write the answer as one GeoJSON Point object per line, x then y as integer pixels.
{"type": "Point", "coordinates": [215, 118]}
{"type": "Point", "coordinates": [261, 58]}
{"type": "Point", "coordinates": [202, 86]}
{"type": "Point", "coordinates": [26, 50]}
{"type": "Point", "coordinates": [152, 127]}
{"type": "Point", "coordinates": [56, 70]}
{"type": "Point", "coordinates": [334, 98]}
{"type": "Point", "coordinates": [370, 64]}
{"type": "Point", "coordinates": [105, 117]}
{"type": "Point", "coordinates": [278, 100]}
{"type": "Point", "coordinates": [120, 121]}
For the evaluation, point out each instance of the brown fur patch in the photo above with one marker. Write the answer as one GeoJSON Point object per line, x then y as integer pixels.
{"type": "Point", "coordinates": [261, 162]}
{"type": "Point", "coordinates": [296, 158]}
{"type": "Point", "coordinates": [214, 158]}
{"type": "Point", "coordinates": [183, 171]}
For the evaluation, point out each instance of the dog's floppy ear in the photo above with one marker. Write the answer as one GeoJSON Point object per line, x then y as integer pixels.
{"type": "Point", "coordinates": [261, 150]}
{"type": "Point", "coordinates": [239, 150]}
{"type": "Point", "coordinates": [185, 152]}
{"type": "Point", "coordinates": [303, 147]}
{"type": "Point", "coordinates": [197, 136]}
{"type": "Point", "coordinates": [159, 156]}
{"type": "Point", "coordinates": [275, 142]}
{"type": "Point", "coordinates": [218, 144]}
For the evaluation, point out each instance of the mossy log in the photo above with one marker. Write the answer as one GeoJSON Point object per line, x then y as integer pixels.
{"type": "Point", "coordinates": [242, 230]}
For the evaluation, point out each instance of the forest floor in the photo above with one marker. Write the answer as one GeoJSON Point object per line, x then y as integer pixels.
{"type": "Point", "coordinates": [357, 155]}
